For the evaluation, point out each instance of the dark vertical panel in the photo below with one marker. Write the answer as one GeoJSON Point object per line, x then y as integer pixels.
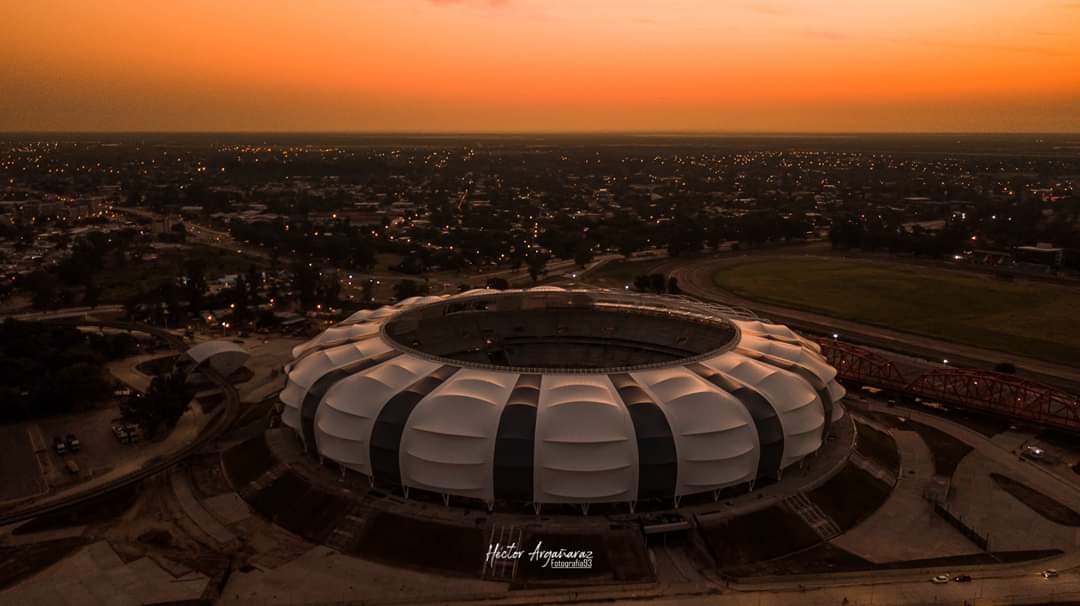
{"type": "Point", "coordinates": [817, 384]}
{"type": "Point", "coordinates": [512, 468]}
{"type": "Point", "coordinates": [390, 424]}
{"type": "Point", "coordinates": [323, 384]}
{"type": "Point", "coordinates": [657, 459]}
{"type": "Point", "coordinates": [770, 432]}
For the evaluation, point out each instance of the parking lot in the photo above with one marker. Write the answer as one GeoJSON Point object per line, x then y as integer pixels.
{"type": "Point", "coordinates": [100, 451]}
{"type": "Point", "coordinates": [20, 475]}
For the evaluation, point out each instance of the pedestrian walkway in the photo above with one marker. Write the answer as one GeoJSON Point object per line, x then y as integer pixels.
{"type": "Point", "coordinates": [815, 518]}
{"type": "Point", "coordinates": [193, 509]}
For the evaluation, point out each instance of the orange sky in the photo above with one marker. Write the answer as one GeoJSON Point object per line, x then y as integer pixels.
{"type": "Point", "coordinates": [540, 65]}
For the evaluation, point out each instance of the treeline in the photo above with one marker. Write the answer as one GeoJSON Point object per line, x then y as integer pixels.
{"type": "Point", "coordinates": [47, 369]}
{"type": "Point", "coordinates": [340, 242]}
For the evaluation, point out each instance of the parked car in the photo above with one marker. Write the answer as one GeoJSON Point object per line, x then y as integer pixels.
{"type": "Point", "coordinates": [940, 579]}
{"type": "Point", "coordinates": [120, 433]}
{"type": "Point", "coordinates": [962, 578]}
{"type": "Point", "coordinates": [1049, 573]}
{"type": "Point", "coordinates": [73, 443]}
{"type": "Point", "coordinates": [58, 445]}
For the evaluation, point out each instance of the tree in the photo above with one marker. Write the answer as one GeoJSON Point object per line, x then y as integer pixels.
{"type": "Point", "coordinates": [642, 283]}
{"type": "Point", "coordinates": [195, 274]}
{"type": "Point", "coordinates": [44, 290]}
{"type": "Point", "coordinates": [163, 404]}
{"type": "Point", "coordinates": [498, 283]}
{"type": "Point", "coordinates": [583, 254]}
{"type": "Point", "coordinates": [305, 282]}
{"type": "Point", "coordinates": [329, 290]}
{"type": "Point", "coordinates": [409, 288]}
{"type": "Point", "coordinates": [91, 294]}
{"type": "Point", "coordinates": [1006, 368]}
{"type": "Point", "coordinates": [537, 263]}
{"type": "Point", "coordinates": [254, 279]}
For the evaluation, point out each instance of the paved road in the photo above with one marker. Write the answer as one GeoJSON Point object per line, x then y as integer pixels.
{"type": "Point", "coordinates": [20, 476]}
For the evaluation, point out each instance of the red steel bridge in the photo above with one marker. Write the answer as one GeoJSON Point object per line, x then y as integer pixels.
{"type": "Point", "coordinates": [982, 390]}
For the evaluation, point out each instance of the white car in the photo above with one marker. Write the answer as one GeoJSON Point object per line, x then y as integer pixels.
{"type": "Point", "coordinates": [1049, 573]}
{"type": "Point", "coordinates": [940, 579]}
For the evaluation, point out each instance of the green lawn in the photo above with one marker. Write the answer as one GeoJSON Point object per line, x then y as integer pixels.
{"type": "Point", "coordinates": [1027, 318]}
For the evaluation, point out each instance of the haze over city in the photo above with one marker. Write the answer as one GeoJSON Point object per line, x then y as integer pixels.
{"type": "Point", "coordinates": [529, 65]}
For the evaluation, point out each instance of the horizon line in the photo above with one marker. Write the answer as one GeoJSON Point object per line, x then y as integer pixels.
{"type": "Point", "coordinates": [521, 133]}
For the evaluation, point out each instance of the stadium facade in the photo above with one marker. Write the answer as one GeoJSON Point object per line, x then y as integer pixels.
{"type": "Point", "coordinates": [560, 396]}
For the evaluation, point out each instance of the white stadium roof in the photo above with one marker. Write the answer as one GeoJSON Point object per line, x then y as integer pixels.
{"type": "Point", "coordinates": [435, 414]}
{"type": "Point", "coordinates": [223, 356]}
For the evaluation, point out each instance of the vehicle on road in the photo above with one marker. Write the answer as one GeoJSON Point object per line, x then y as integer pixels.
{"type": "Point", "coordinates": [73, 443]}
{"type": "Point", "coordinates": [1034, 452]}
{"type": "Point", "coordinates": [940, 579]}
{"type": "Point", "coordinates": [962, 578]}
{"type": "Point", "coordinates": [58, 445]}
{"type": "Point", "coordinates": [72, 467]}
{"type": "Point", "coordinates": [1049, 573]}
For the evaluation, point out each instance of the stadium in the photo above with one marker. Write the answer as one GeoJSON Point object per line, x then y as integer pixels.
{"type": "Point", "coordinates": [554, 396]}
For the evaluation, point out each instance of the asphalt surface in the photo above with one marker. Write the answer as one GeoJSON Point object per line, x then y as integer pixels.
{"type": "Point", "coordinates": [20, 476]}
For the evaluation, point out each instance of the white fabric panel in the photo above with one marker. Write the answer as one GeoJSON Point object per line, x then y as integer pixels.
{"type": "Point", "coordinates": [777, 332]}
{"type": "Point", "coordinates": [305, 372]}
{"type": "Point", "coordinates": [336, 335]}
{"type": "Point", "coordinates": [418, 300]}
{"type": "Point", "coordinates": [362, 315]}
{"type": "Point", "coordinates": [586, 449]}
{"type": "Point", "coordinates": [227, 362]}
{"type": "Point", "coordinates": [204, 351]}
{"type": "Point", "coordinates": [715, 438]}
{"type": "Point", "coordinates": [796, 354]}
{"type": "Point", "coordinates": [794, 400]}
{"type": "Point", "coordinates": [351, 406]}
{"type": "Point", "coordinates": [383, 312]}
{"type": "Point", "coordinates": [478, 291]}
{"type": "Point", "coordinates": [836, 391]}
{"type": "Point", "coordinates": [448, 445]}
{"type": "Point", "coordinates": [290, 417]}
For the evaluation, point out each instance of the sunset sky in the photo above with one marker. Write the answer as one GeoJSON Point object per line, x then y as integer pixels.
{"type": "Point", "coordinates": [540, 65]}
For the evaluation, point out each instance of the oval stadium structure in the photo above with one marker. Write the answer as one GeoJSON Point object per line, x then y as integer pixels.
{"type": "Point", "coordinates": [549, 395]}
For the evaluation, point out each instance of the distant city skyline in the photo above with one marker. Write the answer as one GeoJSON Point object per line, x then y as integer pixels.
{"type": "Point", "coordinates": [524, 66]}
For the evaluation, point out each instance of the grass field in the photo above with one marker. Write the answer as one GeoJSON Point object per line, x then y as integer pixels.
{"type": "Point", "coordinates": [1031, 319]}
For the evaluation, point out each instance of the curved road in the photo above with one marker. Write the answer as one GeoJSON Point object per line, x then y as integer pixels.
{"type": "Point", "coordinates": [223, 419]}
